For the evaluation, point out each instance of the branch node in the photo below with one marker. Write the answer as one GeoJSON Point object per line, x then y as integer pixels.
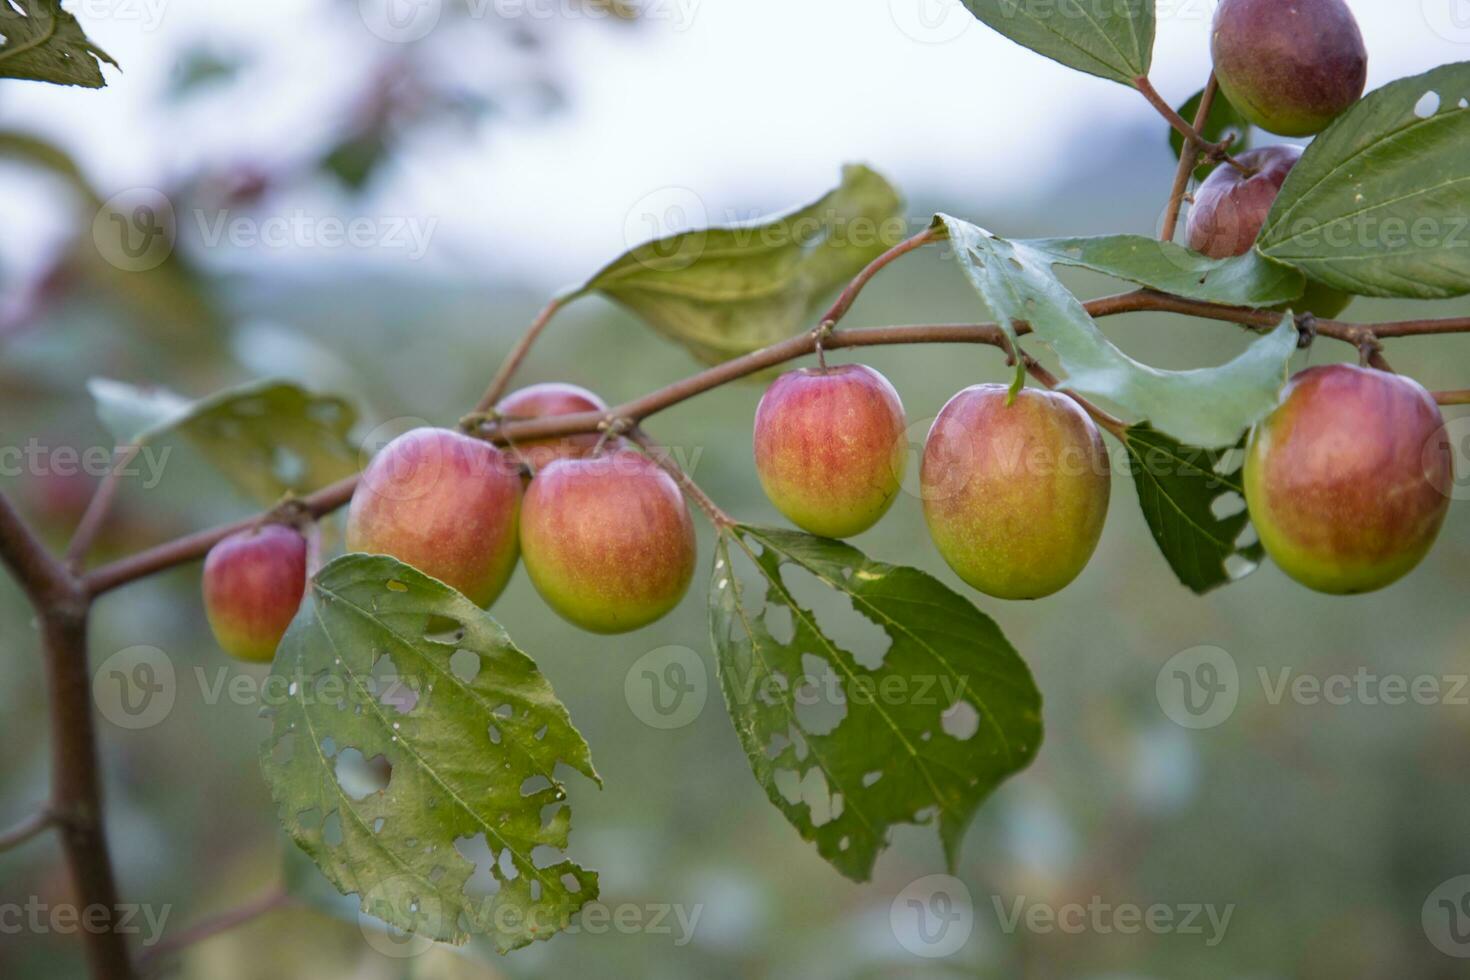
{"type": "Point", "coordinates": [1306, 328]}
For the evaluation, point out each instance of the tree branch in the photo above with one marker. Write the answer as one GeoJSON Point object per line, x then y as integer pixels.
{"type": "Point", "coordinates": [1453, 397]}
{"type": "Point", "coordinates": [39, 575]}
{"type": "Point", "coordinates": [1188, 161]}
{"type": "Point", "coordinates": [518, 353]}
{"type": "Point", "coordinates": [1182, 126]}
{"type": "Point", "coordinates": [97, 510]}
{"type": "Point", "coordinates": [32, 826]}
{"type": "Point", "coordinates": [209, 928]}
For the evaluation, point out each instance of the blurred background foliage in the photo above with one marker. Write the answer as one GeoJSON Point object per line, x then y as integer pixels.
{"type": "Point", "coordinates": [1326, 826]}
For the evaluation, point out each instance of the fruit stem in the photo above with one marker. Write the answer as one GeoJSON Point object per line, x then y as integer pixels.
{"type": "Point", "coordinates": [518, 353]}
{"type": "Point", "coordinates": [1453, 397]}
{"type": "Point", "coordinates": [665, 462]}
{"type": "Point", "coordinates": [849, 295]}
{"type": "Point", "coordinates": [1109, 422]}
{"type": "Point", "coordinates": [1188, 161]}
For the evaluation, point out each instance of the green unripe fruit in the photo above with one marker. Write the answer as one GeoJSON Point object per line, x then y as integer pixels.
{"type": "Point", "coordinates": [1015, 495]}
{"type": "Point", "coordinates": [1289, 66]}
{"type": "Point", "coordinates": [830, 448]}
{"type": "Point", "coordinates": [608, 541]}
{"type": "Point", "coordinates": [1348, 480]}
{"type": "Point", "coordinates": [445, 503]}
{"type": "Point", "coordinates": [253, 584]}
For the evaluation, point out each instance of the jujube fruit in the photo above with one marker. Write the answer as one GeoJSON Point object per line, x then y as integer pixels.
{"type": "Point", "coordinates": [1348, 480]}
{"type": "Point", "coordinates": [608, 541]}
{"type": "Point", "coordinates": [830, 448]}
{"type": "Point", "coordinates": [1289, 66]}
{"type": "Point", "coordinates": [552, 398]}
{"type": "Point", "coordinates": [445, 503]}
{"type": "Point", "coordinates": [1015, 495]}
{"type": "Point", "coordinates": [254, 582]}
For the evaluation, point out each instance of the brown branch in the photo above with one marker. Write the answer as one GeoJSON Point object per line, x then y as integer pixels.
{"type": "Point", "coordinates": [97, 510]}
{"type": "Point", "coordinates": [32, 826]}
{"type": "Point", "coordinates": [196, 545]}
{"type": "Point", "coordinates": [695, 492]}
{"type": "Point", "coordinates": [1453, 397]}
{"type": "Point", "coordinates": [39, 575]}
{"type": "Point", "coordinates": [1183, 127]}
{"type": "Point", "coordinates": [1188, 161]}
{"type": "Point", "coordinates": [849, 295]}
{"type": "Point", "coordinates": [209, 928]}
{"type": "Point", "coordinates": [518, 353]}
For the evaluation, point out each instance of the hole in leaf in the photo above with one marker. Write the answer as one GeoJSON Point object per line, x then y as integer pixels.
{"type": "Point", "coordinates": [442, 629]}
{"type": "Point", "coordinates": [482, 882]}
{"type": "Point", "coordinates": [332, 829]}
{"type": "Point", "coordinates": [360, 777]}
{"type": "Point", "coordinates": [788, 784]}
{"type": "Point", "coordinates": [1427, 105]}
{"type": "Point", "coordinates": [836, 617]}
{"type": "Point", "coordinates": [378, 825]}
{"type": "Point", "coordinates": [779, 624]}
{"type": "Point", "coordinates": [287, 466]}
{"type": "Point", "coordinates": [549, 812]}
{"type": "Point", "coordinates": [507, 863]}
{"type": "Point", "coordinates": [570, 882]}
{"type": "Point", "coordinates": [1227, 505]}
{"type": "Point", "coordinates": [534, 785]}
{"type": "Point", "coordinates": [465, 665]}
{"type": "Point", "coordinates": [872, 777]}
{"type": "Point", "coordinates": [820, 702]}
{"type": "Point", "coordinates": [494, 735]}
{"type": "Point", "coordinates": [544, 855]}
{"type": "Point", "coordinates": [961, 721]}
{"type": "Point", "coordinates": [819, 802]}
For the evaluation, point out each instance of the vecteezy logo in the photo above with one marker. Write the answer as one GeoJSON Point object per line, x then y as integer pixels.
{"type": "Point", "coordinates": [930, 21]}
{"type": "Point", "coordinates": [135, 688]}
{"type": "Point", "coordinates": [1450, 19]}
{"type": "Point", "coordinates": [392, 902]}
{"type": "Point", "coordinates": [400, 21]}
{"type": "Point", "coordinates": [1446, 917]}
{"type": "Point", "coordinates": [135, 230]}
{"type": "Point", "coordinates": [667, 688]}
{"type": "Point", "coordinates": [1199, 687]}
{"type": "Point", "coordinates": [667, 229]}
{"type": "Point", "coordinates": [933, 917]}
{"type": "Point", "coordinates": [1457, 432]}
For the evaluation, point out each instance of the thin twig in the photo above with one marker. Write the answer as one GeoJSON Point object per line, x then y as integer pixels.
{"type": "Point", "coordinates": [97, 509]}
{"type": "Point", "coordinates": [210, 928]}
{"type": "Point", "coordinates": [518, 353]}
{"type": "Point", "coordinates": [694, 491]}
{"type": "Point", "coordinates": [32, 826]}
{"type": "Point", "coordinates": [1453, 397]}
{"type": "Point", "coordinates": [1188, 161]}
{"type": "Point", "coordinates": [1183, 127]}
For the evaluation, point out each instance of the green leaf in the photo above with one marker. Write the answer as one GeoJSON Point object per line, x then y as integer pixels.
{"type": "Point", "coordinates": [267, 437]}
{"type": "Point", "coordinates": [1113, 40]}
{"type": "Point", "coordinates": [473, 751]}
{"type": "Point", "coordinates": [44, 43]}
{"type": "Point", "coordinates": [1223, 121]}
{"type": "Point", "coordinates": [1177, 487]}
{"type": "Point", "coordinates": [1205, 406]}
{"type": "Point", "coordinates": [1245, 280]}
{"type": "Point", "coordinates": [729, 290]}
{"type": "Point", "coordinates": [1378, 203]}
{"type": "Point", "coordinates": [947, 715]}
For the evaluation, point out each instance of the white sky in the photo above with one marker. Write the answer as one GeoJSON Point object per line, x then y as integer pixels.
{"type": "Point", "coordinates": [744, 104]}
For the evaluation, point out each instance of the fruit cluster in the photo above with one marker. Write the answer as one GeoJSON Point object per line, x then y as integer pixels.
{"type": "Point", "coordinates": [1347, 482]}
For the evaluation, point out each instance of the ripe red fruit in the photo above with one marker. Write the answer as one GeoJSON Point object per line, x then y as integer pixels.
{"type": "Point", "coordinates": [608, 541]}
{"type": "Point", "coordinates": [552, 398]}
{"type": "Point", "coordinates": [1230, 208]}
{"type": "Point", "coordinates": [1349, 480]}
{"type": "Point", "coordinates": [1289, 66]}
{"type": "Point", "coordinates": [444, 503]}
{"type": "Point", "coordinates": [1015, 495]}
{"type": "Point", "coordinates": [254, 582]}
{"type": "Point", "coordinates": [830, 449]}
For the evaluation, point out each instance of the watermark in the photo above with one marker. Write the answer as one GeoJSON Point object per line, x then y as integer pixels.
{"type": "Point", "coordinates": [38, 917]}
{"type": "Point", "coordinates": [1456, 432]}
{"type": "Point", "coordinates": [1380, 235]}
{"type": "Point", "coordinates": [138, 687]}
{"type": "Point", "coordinates": [406, 21]}
{"type": "Point", "coordinates": [1201, 687]}
{"type": "Point", "coordinates": [36, 459]}
{"type": "Point", "coordinates": [402, 899]}
{"type": "Point", "coordinates": [147, 14]}
{"type": "Point", "coordinates": [933, 917]}
{"type": "Point", "coordinates": [1446, 917]}
{"type": "Point", "coordinates": [667, 688]}
{"type": "Point", "coordinates": [137, 230]}
{"type": "Point", "coordinates": [943, 21]}
{"type": "Point", "coordinates": [1103, 918]}
{"type": "Point", "coordinates": [1450, 19]}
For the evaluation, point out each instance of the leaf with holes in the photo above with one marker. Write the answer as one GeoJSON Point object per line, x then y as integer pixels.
{"type": "Point", "coordinates": [267, 437]}
{"type": "Point", "coordinates": [1113, 40]}
{"type": "Point", "coordinates": [1224, 122]}
{"type": "Point", "coordinates": [933, 727]}
{"type": "Point", "coordinates": [1245, 280]}
{"type": "Point", "coordinates": [1205, 406]}
{"type": "Point", "coordinates": [1377, 204]}
{"type": "Point", "coordinates": [1179, 487]}
{"type": "Point", "coordinates": [373, 664]}
{"type": "Point", "coordinates": [44, 43]}
{"type": "Point", "coordinates": [726, 291]}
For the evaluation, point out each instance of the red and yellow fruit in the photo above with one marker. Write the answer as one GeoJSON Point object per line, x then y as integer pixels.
{"type": "Point", "coordinates": [254, 582]}
{"type": "Point", "coordinates": [445, 503]}
{"type": "Point", "coordinates": [552, 398]}
{"type": "Point", "coordinates": [1015, 495]}
{"type": "Point", "coordinates": [830, 449]}
{"type": "Point", "coordinates": [1349, 480]}
{"type": "Point", "coordinates": [1289, 66]}
{"type": "Point", "coordinates": [608, 541]}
